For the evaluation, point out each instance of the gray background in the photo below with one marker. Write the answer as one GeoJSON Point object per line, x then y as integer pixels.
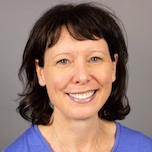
{"type": "Point", "coordinates": [16, 20]}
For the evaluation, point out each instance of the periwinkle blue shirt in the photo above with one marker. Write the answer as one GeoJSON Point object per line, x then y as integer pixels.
{"type": "Point", "coordinates": [127, 140]}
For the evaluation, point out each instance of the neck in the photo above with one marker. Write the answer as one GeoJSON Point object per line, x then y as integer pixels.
{"type": "Point", "coordinates": [77, 134]}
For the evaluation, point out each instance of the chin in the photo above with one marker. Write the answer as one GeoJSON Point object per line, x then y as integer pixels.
{"type": "Point", "coordinates": [82, 114]}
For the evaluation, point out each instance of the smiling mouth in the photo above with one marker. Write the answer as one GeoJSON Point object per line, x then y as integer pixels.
{"type": "Point", "coordinates": [82, 95]}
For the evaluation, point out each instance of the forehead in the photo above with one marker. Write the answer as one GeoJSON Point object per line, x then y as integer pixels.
{"type": "Point", "coordinates": [64, 35]}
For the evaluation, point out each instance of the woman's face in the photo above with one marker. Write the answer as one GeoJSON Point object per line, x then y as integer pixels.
{"type": "Point", "coordinates": [78, 76]}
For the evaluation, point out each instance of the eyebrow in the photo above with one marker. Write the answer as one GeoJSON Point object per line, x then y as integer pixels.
{"type": "Point", "coordinates": [64, 53]}
{"type": "Point", "coordinates": [99, 52]}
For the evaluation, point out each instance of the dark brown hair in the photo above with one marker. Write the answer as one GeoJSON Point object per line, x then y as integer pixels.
{"type": "Point", "coordinates": [83, 21]}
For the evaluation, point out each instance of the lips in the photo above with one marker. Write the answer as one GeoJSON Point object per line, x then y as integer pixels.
{"type": "Point", "coordinates": [84, 97]}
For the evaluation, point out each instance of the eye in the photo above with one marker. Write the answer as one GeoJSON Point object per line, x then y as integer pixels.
{"type": "Point", "coordinates": [95, 59]}
{"type": "Point", "coordinates": [63, 61]}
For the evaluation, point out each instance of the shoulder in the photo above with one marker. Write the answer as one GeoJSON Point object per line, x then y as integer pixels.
{"type": "Point", "coordinates": [31, 140]}
{"type": "Point", "coordinates": [132, 140]}
{"type": "Point", "coordinates": [21, 142]}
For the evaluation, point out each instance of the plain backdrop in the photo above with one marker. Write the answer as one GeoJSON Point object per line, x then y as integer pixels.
{"type": "Point", "coordinates": [17, 18]}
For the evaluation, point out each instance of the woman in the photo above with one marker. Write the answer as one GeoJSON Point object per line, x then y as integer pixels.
{"type": "Point", "coordinates": [75, 66]}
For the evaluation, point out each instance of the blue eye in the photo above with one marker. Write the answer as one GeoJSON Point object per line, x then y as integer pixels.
{"type": "Point", "coordinates": [63, 61]}
{"type": "Point", "coordinates": [95, 59]}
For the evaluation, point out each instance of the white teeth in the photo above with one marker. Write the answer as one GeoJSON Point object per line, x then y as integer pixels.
{"type": "Point", "coordinates": [82, 96]}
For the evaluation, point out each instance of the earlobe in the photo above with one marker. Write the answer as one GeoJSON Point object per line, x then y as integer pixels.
{"type": "Point", "coordinates": [40, 73]}
{"type": "Point", "coordinates": [114, 67]}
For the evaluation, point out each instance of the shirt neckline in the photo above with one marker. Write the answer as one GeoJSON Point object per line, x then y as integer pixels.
{"type": "Point", "coordinates": [118, 130]}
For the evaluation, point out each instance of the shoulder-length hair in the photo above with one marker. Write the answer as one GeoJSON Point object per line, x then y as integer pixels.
{"type": "Point", "coordinates": [83, 21]}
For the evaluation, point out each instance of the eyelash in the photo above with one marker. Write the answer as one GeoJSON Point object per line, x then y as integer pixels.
{"type": "Point", "coordinates": [96, 59]}
{"type": "Point", "coordinates": [63, 61]}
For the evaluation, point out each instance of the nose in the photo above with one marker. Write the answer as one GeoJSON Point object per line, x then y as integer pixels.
{"type": "Point", "coordinates": [81, 74]}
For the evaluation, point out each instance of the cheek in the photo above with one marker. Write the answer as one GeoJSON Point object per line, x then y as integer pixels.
{"type": "Point", "coordinates": [104, 77]}
{"type": "Point", "coordinates": [56, 80]}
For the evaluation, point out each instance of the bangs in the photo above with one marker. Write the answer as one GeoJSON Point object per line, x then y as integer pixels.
{"type": "Point", "coordinates": [80, 24]}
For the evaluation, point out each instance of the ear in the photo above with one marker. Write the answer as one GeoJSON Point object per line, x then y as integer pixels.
{"type": "Point", "coordinates": [114, 67]}
{"type": "Point", "coordinates": [40, 73]}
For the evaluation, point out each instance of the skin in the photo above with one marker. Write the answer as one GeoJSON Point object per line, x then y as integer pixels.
{"type": "Point", "coordinates": [84, 68]}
